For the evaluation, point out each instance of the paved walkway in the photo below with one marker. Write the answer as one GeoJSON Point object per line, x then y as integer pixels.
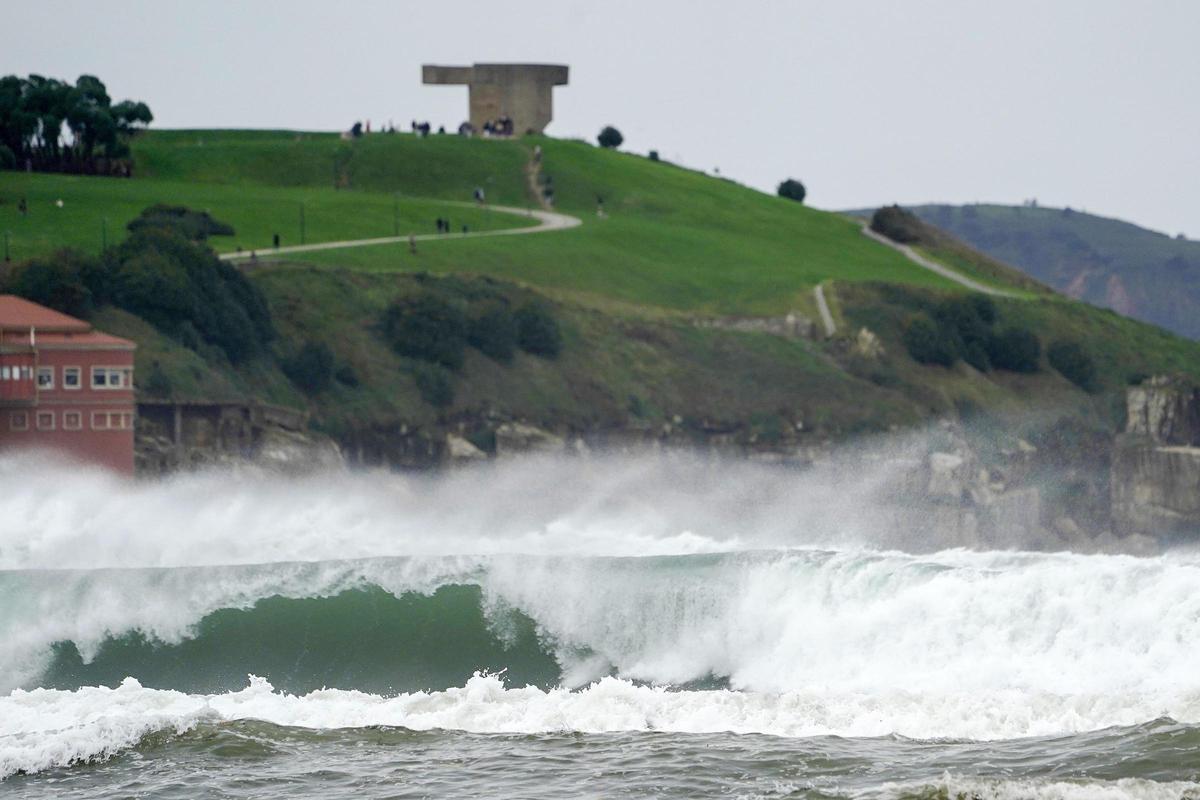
{"type": "Point", "coordinates": [934, 266]}
{"type": "Point", "coordinates": [548, 221]}
{"type": "Point", "coordinates": [823, 308]}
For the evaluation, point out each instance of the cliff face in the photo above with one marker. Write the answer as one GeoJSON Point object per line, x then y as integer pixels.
{"type": "Point", "coordinates": [1156, 462]}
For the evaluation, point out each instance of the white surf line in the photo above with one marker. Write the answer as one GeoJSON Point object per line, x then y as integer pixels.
{"type": "Point", "coordinates": [933, 266]}
{"type": "Point", "coordinates": [823, 308]}
{"type": "Point", "coordinates": [549, 221]}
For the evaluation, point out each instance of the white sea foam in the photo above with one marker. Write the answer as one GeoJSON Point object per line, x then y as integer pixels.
{"type": "Point", "coordinates": [1030, 789]}
{"type": "Point", "coordinates": [44, 728]}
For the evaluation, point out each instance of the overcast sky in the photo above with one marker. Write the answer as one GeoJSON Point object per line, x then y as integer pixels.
{"type": "Point", "coordinates": [1088, 103]}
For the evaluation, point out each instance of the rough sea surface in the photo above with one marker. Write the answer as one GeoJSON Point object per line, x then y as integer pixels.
{"type": "Point", "coordinates": [542, 629]}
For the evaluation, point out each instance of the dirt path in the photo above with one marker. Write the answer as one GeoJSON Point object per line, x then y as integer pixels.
{"type": "Point", "coordinates": [823, 308]}
{"type": "Point", "coordinates": [548, 221]}
{"type": "Point", "coordinates": [933, 266]}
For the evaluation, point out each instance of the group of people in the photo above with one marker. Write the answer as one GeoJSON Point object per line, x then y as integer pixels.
{"type": "Point", "coordinates": [443, 226]}
{"type": "Point", "coordinates": [499, 127]}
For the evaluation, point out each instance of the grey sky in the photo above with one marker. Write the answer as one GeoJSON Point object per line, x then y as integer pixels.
{"type": "Point", "coordinates": [1092, 104]}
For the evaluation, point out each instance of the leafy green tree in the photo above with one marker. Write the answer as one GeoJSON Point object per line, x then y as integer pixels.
{"type": "Point", "coordinates": [493, 332]}
{"type": "Point", "coordinates": [610, 138]}
{"type": "Point", "coordinates": [792, 189]}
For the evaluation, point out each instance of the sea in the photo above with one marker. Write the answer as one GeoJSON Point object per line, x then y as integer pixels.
{"type": "Point", "coordinates": [645, 626]}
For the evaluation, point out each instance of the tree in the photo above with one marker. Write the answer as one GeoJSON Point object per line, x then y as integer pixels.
{"type": "Point", "coordinates": [792, 189]}
{"type": "Point", "coordinates": [925, 342]}
{"type": "Point", "coordinates": [610, 138]}
{"type": "Point", "coordinates": [493, 332]}
{"type": "Point", "coordinates": [311, 368]}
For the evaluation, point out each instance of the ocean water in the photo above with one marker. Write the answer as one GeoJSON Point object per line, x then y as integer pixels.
{"type": "Point", "coordinates": [654, 627]}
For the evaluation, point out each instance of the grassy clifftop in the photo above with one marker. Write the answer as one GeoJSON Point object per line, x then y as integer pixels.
{"type": "Point", "coordinates": [649, 294]}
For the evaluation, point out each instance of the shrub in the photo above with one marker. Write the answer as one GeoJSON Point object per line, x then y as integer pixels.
{"type": "Point", "coordinates": [925, 342]}
{"type": "Point", "coordinates": [157, 384]}
{"type": "Point", "coordinates": [1015, 349]}
{"type": "Point", "coordinates": [897, 224]}
{"type": "Point", "coordinates": [493, 332]}
{"type": "Point", "coordinates": [965, 332]}
{"type": "Point", "coordinates": [654, 155]}
{"type": "Point", "coordinates": [428, 328]}
{"type": "Point", "coordinates": [1074, 363]}
{"type": "Point", "coordinates": [435, 384]}
{"type": "Point", "coordinates": [792, 189]}
{"type": "Point", "coordinates": [59, 282]}
{"type": "Point", "coordinates": [311, 368]}
{"type": "Point", "coordinates": [985, 307]}
{"type": "Point", "coordinates": [346, 376]}
{"type": "Point", "coordinates": [194, 225]}
{"type": "Point", "coordinates": [537, 331]}
{"type": "Point", "coordinates": [175, 284]}
{"type": "Point", "coordinates": [610, 137]}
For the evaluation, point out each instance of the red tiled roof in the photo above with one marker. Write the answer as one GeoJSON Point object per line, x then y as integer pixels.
{"type": "Point", "coordinates": [18, 315]}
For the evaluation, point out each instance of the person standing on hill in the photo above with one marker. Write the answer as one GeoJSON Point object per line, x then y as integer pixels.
{"type": "Point", "coordinates": [479, 195]}
{"type": "Point", "coordinates": [412, 244]}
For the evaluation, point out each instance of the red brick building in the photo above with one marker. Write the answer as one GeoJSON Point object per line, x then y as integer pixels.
{"type": "Point", "coordinates": [64, 386]}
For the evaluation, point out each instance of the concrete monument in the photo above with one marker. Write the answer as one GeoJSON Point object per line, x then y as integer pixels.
{"type": "Point", "coordinates": [522, 92]}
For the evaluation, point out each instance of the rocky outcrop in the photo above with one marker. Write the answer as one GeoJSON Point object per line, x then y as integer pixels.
{"type": "Point", "coordinates": [1156, 463]}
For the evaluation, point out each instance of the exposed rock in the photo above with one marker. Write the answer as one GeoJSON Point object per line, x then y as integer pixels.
{"type": "Point", "coordinates": [460, 450]}
{"type": "Point", "coordinates": [517, 437]}
{"type": "Point", "coordinates": [947, 476]}
{"type": "Point", "coordinates": [1166, 409]}
{"type": "Point", "coordinates": [867, 345]}
{"type": "Point", "coordinates": [294, 452]}
{"type": "Point", "coordinates": [1015, 517]}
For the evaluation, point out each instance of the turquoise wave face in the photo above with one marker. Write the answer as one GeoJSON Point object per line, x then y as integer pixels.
{"type": "Point", "coordinates": [366, 639]}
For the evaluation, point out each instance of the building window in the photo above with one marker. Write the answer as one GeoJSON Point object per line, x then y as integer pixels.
{"type": "Point", "coordinates": [45, 377]}
{"type": "Point", "coordinates": [111, 377]}
{"type": "Point", "coordinates": [45, 420]}
{"type": "Point", "coordinates": [71, 377]}
{"type": "Point", "coordinates": [7, 374]}
{"type": "Point", "coordinates": [18, 421]}
{"type": "Point", "coordinates": [111, 421]}
{"type": "Point", "coordinates": [72, 420]}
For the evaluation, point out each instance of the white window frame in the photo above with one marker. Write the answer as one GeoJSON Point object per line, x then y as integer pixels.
{"type": "Point", "coordinates": [123, 374]}
{"type": "Point", "coordinates": [8, 373]}
{"type": "Point", "coordinates": [18, 415]}
{"type": "Point", "coordinates": [103, 417]}
{"type": "Point", "coordinates": [78, 426]}
{"type": "Point", "coordinates": [78, 373]}
{"type": "Point", "coordinates": [49, 371]}
{"type": "Point", "coordinates": [37, 417]}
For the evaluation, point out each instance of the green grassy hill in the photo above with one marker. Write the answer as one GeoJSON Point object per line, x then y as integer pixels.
{"type": "Point", "coordinates": [647, 294]}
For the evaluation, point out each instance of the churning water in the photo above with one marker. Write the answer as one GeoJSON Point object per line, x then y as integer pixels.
{"type": "Point", "coordinates": [613, 627]}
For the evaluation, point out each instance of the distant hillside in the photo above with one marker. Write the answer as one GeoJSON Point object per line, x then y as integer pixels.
{"type": "Point", "coordinates": [1140, 273]}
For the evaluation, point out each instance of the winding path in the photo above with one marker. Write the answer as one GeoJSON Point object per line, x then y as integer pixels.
{"type": "Point", "coordinates": [548, 221]}
{"type": "Point", "coordinates": [934, 266]}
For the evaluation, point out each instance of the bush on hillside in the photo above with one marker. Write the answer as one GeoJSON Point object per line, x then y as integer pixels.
{"type": "Point", "coordinates": [792, 189]}
{"type": "Point", "coordinates": [194, 225]}
{"type": "Point", "coordinates": [493, 331]}
{"type": "Point", "coordinates": [347, 376]}
{"type": "Point", "coordinates": [965, 331]}
{"type": "Point", "coordinates": [537, 331]}
{"type": "Point", "coordinates": [435, 384]}
{"type": "Point", "coordinates": [311, 368]}
{"type": "Point", "coordinates": [897, 224]}
{"type": "Point", "coordinates": [429, 328]}
{"type": "Point", "coordinates": [156, 384]}
{"type": "Point", "coordinates": [610, 137]}
{"type": "Point", "coordinates": [1074, 363]}
{"type": "Point", "coordinates": [60, 282]}
{"type": "Point", "coordinates": [1015, 349]}
{"type": "Point", "coordinates": [184, 290]}
{"type": "Point", "coordinates": [654, 155]}
{"type": "Point", "coordinates": [926, 343]}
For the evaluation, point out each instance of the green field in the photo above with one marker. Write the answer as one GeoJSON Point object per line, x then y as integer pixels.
{"type": "Point", "coordinates": [671, 237]}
